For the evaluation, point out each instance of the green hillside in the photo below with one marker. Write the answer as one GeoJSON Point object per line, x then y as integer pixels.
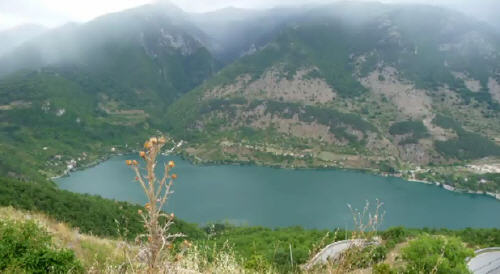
{"type": "Point", "coordinates": [81, 92]}
{"type": "Point", "coordinates": [253, 249]}
{"type": "Point", "coordinates": [405, 90]}
{"type": "Point", "coordinates": [357, 92]}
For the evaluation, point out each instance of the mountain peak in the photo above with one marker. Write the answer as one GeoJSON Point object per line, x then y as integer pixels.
{"type": "Point", "coordinates": [166, 4]}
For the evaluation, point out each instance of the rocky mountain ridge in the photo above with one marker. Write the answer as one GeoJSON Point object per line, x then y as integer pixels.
{"type": "Point", "coordinates": [356, 85]}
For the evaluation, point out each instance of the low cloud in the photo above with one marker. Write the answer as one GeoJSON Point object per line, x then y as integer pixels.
{"type": "Point", "coordinates": [57, 12]}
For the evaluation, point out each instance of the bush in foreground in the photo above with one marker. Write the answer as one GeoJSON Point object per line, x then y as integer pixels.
{"type": "Point", "coordinates": [436, 254]}
{"type": "Point", "coordinates": [24, 247]}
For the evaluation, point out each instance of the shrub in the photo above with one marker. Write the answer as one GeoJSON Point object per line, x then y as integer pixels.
{"type": "Point", "coordinates": [415, 130]}
{"type": "Point", "coordinates": [394, 235]}
{"type": "Point", "coordinates": [91, 214]}
{"type": "Point", "coordinates": [383, 269]}
{"type": "Point", "coordinates": [364, 257]}
{"type": "Point", "coordinates": [24, 247]}
{"type": "Point", "coordinates": [436, 254]}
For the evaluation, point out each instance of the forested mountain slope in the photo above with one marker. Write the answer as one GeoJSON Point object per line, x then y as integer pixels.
{"type": "Point", "coordinates": [408, 90]}
{"type": "Point", "coordinates": [357, 85]}
{"type": "Point", "coordinates": [81, 90]}
{"type": "Point", "coordinates": [354, 85]}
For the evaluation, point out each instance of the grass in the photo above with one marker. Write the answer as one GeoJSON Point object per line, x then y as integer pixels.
{"type": "Point", "coordinates": [230, 249]}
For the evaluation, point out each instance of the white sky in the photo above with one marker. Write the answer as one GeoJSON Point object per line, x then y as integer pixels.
{"type": "Point", "coordinates": [56, 12]}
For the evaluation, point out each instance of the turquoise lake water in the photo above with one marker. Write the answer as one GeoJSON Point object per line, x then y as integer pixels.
{"type": "Point", "coordinates": [280, 197]}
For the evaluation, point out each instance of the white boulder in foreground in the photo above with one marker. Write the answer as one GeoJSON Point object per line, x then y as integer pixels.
{"type": "Point", "coordinates": [333, 251]}
{"type": "Point", "coordinates": [486, 261]}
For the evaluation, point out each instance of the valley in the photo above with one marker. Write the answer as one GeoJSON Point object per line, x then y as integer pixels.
{"type": "Point", "coordinates": [291, 122]}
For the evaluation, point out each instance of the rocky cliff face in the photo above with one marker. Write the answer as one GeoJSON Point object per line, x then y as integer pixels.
{"type": "Point", "coordinates": [377, 87]}
{"type": "Point", "coordinates": [360, 85]}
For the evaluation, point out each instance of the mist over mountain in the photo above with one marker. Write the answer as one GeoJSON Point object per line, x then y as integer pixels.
{"type": "Point", "coordinates": [14, 37]}
{"type": "Point", "coordinates": [395, 91]}
{"type": "Point", "coordinates": [485, 11]}
{"type": "Point", "coordinates": [350, 84]}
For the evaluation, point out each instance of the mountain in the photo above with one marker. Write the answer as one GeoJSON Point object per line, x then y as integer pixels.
{"type": "Point", "coordinates": [373, 86]}
{"type": "Point", "coordinates": [86, 88]}
{"type": "Point", "coordinates": [14, 37]}
{"type": "Point", "coordinates": [152, 38]}
{"type": "Point", "coordinates": [407, 90]}
{"type": "Point", "coordinates": [234, 32]}
{"type": "Point", "coordinates": [486, 11]}
{"type": "Point", "coordinates": [354, 85]}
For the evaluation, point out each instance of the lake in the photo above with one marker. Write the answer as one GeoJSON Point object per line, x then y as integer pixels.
{"type": "Point", "coordinates": [252, 195]}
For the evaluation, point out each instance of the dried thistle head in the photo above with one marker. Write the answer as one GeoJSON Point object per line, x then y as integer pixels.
{"type": "Point", "coordinates": [186, 244]}
{"type": "Point", "coordinates": [153, 140]}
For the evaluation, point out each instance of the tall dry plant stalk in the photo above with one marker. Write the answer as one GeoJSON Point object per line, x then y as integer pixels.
{"type": "Point", "coordinates": [361, 250]}
{"type": "Point", "coordinates": [366, 221]}
{"type": "Point", "coordinates": [156, 242]}
{"type": "Point", "coordinates": [366, 224]}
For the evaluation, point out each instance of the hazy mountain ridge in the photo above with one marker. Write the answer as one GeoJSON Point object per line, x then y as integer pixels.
{"type": "Point", "coordinates": [394, 89]}
{"type": "Point", "coordinates": [358, 85]}
{"type": "Point", "coordinates": [69, 88]}
{"type": "Point", "coordinates": [332, 90]}
{"type": "Point", "coordinates": [14, 37]}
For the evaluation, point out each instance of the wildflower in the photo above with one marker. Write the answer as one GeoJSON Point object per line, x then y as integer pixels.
{"type": "Point", "coordinates": [174, 176]}
{"type": "Point", "coordinates": [147, 145]}
{"type": "Point", "coordinates": [171, 164]}
{"type": "Point", "coordinates": [162, 140]}
{"type": "Point", "coordinates": [150, 239]}
{"type": "Point", "coordinates": [170, 246]}
{"type": "Point", "coordinates": [139, 211]}
{"type": "Point", "coordinates": [136, 178]}
{"type": "Point", "coordinates": [186, 243]}
{"type": "Point", "coordinates": [134, 162]}
{"type": "Point", "coordinates": [147, 206]}
{"type": "Point", "coordinates": [128, 162]}
{"type": "Point", "coordinates": [172, 215]}
{"type": "Point", "coordinates": [142, 154]}
{"type": "Point", "coordinates": [153, 140]}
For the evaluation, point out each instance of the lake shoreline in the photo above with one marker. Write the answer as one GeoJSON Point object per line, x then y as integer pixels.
{"type": "Point", "coordinates": [194, 162]}
{"type": "Point", "coordinates": [447, 187]}
{"type": "Point", "coordinates": [259, 195]}
{"type": "Point", "coordinates": [496, 196]}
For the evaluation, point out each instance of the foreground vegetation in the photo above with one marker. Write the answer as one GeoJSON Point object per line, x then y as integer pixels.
{"type": "Point", "coordinates": [219, 247]}
{"type": "Point", "coordinates": [90, 214]}
{"type": "Point", "coordinates": [25, 247]}
{"type": "Point", "coordinates": [55, 118]}
{"type": "Point", "coordinates": [158, 240]}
